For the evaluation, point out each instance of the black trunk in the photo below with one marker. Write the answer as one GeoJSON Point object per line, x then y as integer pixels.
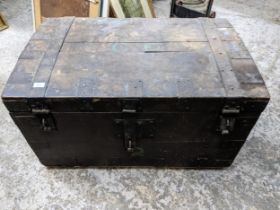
{"type": "Point", "coordinates": [136, 92]}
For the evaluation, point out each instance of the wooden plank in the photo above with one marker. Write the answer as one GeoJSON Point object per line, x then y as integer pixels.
{"type": "Point", "coordinates": [228, 34]}
{"type": "Point", "coordinates": [55, 42]}
{"type": "Point", "coordinates": [236, 50]}
{"type": "Point", "coordinates": [136, 30]}
{"type": "Point", "coordinates": [88, 47]}
{"type": "Point", "coordinates": [136, 8]}
{"type": "Point", "coordinates": [150, 2]}
{"type": "Point", "coordinates": [117, 8]}
{"type": "Point", "coordinates": [132, 8]}
{"type": "Point", "coordinates": [222, 23]}
{"type": "Point", "coordinates": [147, 9]}
{"type": "Point", "coordinates": [37, 13]}
{"type": "Point", "coordinates": [164, 74]}
{"type": "Point", "coordinates": [61, 8]}
{"type": "Point", "coordinates": [94, 8]}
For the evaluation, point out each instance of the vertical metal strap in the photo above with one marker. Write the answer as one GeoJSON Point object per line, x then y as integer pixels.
{"type": "Point", "coordinates": [230, 82]}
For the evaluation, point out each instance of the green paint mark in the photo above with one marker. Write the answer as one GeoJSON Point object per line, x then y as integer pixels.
{"type": "Point", "coordinates": [114, 47]}
{"type": "Point", "coordinates": [147, 46]}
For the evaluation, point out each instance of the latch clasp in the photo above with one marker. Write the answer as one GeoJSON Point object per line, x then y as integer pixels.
{"type": "Point", "coordinates": [135, 129]}
{"type": "Point", "coordinates": [46, 119]}
{"type": "Point", "coordinates": [228, 119]}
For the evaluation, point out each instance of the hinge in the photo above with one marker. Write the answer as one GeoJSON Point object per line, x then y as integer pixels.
{"type": "Point", "coordinates": [228, 119]}
{"type": "Point", "coordinates": [45, 118]}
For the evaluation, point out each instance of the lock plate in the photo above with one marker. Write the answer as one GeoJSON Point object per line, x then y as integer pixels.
{"type": "Point", "coordinates": [131, 130]}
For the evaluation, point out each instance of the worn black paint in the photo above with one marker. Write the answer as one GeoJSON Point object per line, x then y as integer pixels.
{"type": "Point", "coordinates": [136, 92]}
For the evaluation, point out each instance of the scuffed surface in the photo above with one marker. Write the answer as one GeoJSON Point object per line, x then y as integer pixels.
{"type": "Point", "coordinates": [253, 182]}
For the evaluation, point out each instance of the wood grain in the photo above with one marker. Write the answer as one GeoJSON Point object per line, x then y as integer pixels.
{"type": "Point", "coordinates": [61, 8]}
{"type": "Point", "coordinates": [147, 9]}
{"type": "Point", "coordinates": [37, 13]}
{"type": "Point", "coordinates": [117, 9]}
{"type": "Point", "coordinates": [209, 60]}
{"type": "Point", "coordinates": [94, 8]}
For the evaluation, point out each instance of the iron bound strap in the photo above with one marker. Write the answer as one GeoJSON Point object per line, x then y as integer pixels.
{"type": "Point", "coordinates": [133, 128]}
{"type": "Point", "coordinates": [224, 65]}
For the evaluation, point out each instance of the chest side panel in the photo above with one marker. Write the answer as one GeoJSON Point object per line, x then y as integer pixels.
{"type": "Point", "coordinates": [98, 139]}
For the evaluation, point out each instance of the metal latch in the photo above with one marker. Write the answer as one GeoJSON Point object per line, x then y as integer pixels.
{"type": "Point", "coordinates": [46, 119]}
{"type": "Point", "coordinates": [228, 119]}
{"type": "Point", "coordinates": [133, 130]}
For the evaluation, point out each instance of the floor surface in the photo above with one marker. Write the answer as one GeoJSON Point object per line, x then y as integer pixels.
{"type": "Point", "coordinates": [253, 182]}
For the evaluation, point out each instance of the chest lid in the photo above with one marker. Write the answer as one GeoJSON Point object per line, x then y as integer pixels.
{"type": "Point", "coordinates": [135, 58]}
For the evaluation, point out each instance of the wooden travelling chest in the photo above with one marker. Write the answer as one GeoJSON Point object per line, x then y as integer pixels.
{"type": "Point", "coordinates": [135, 92]}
